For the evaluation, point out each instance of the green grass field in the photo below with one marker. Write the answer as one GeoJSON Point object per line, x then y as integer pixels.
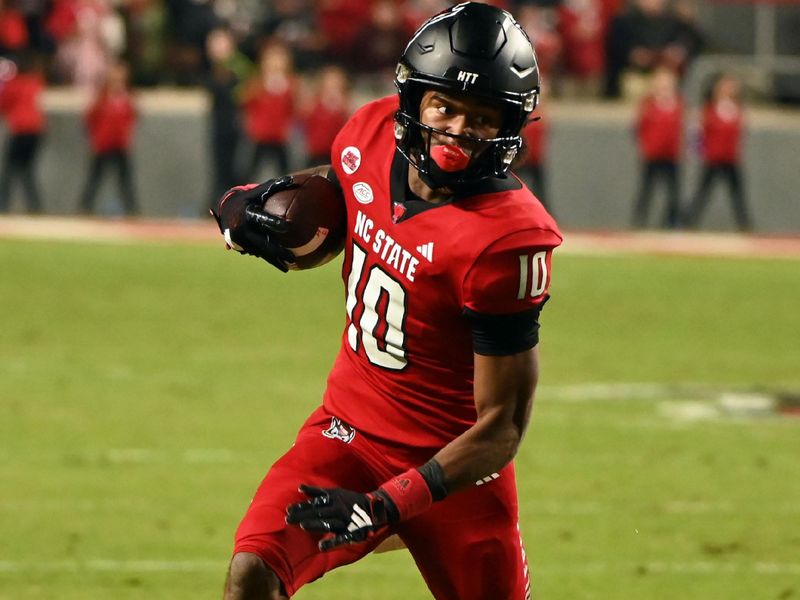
{"type": "Point", "coordinates": [146, 388]}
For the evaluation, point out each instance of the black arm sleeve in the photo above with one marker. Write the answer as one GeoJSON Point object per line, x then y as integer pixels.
{"type": "Point", "coordinates": [502, 335]}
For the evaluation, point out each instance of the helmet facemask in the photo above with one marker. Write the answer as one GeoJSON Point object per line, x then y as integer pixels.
{"type": "Point", "coordinates": [488, 157]}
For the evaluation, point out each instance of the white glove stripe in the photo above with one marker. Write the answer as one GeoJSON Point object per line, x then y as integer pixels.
{"type": "Point", "coordinates": [359, 519]}
{"type": "Point", "coordinates": [230, 242]}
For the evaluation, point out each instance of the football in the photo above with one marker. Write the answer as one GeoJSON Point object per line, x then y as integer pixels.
{"type": "Point", "coordinates": [317, 218]}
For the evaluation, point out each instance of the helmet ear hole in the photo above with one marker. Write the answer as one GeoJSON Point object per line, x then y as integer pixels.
{"type": "Point", "coordinates": [402, 73]}
{"type": "Point", "coordinates": [531, 101]}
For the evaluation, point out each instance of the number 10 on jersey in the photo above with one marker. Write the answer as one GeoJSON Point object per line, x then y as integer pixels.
{"type": "Point", "coordinates": [380, 328]}
{"type": "Point", "coordinates": [532, 274]}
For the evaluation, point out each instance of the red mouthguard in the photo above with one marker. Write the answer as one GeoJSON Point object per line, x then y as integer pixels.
{"type": "Point", "coordinates": [450, 158]}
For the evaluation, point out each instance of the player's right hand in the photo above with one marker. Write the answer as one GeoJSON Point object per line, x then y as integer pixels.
{"type": "Point", "coordinates": [248, 229]}
{"type": "Point", "coordinates": [352, 517]}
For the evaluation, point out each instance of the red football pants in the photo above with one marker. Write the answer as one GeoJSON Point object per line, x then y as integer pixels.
{"type": "Point", "coordinates": [467, 547]}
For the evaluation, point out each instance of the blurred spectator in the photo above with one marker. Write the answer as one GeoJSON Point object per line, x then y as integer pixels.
{"type": "Point", "coordinates": [340, 22]}
{"type": "Point", "coordinates": [242, 16]}
{"type": "Point", "coordinates": [659, 130]}
{"type": "Point", "coordinates": [690, 39]}
{"type": "Point", "coordinates": [418, 11]}
{"type": "Point", "coordinates": [34, 12]}
{"type": "Point", "coordinates": [722, 128]}
{"type": "Point", "coordinates": [582, 25]}
{"type": "Point", "coordinates": [13, 29]}
{"type": "Point", "coordinates": [540, 25]}
{"type": "Point", "coordinates": [190, 22]}
{"type": "Point", "coordinates": [87, 49]}
{"type": "Point", "coordinates": [145, 22]}
{"type": "Point", "coordinates": [60, 21]}
{"type": "Point", "coordinates": [268, 102]}
{"type": "Point", "coordinates": [294, 22]}
{"type": "Point", "coordinates": [110, 123]}
{"type": "Point", "coordinates": [229, 68]}
{"type": "Point", "coordinates": [20, 105]}
{"type": "Point", "coordinates": [326, 114]}
{"type": "Point", "coordinates": [641, 39]}
{"type": "Point", "coordinates": [380, 41]}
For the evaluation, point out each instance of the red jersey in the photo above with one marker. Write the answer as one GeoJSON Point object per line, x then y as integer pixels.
{"type": "Point", "coordinates": [268, 114]}
{"type": "Point", "coordinates": [722, 132]}
{"type": "Point", "coordinates": [660, 129]}
{"type": "Point", "coordinates": [110, 121]}
{"type": "Point", "coordinates": [404, 372]}
{"type": "Point", "coordinates": [20, 104]}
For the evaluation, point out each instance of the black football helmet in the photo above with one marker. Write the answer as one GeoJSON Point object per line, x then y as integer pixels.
{"type": "Point", "coordinates": [479, 50]}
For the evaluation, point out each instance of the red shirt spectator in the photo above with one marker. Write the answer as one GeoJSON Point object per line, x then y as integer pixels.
{"type": "Point", "coordinates": [110, 121]}
{"type": "Point", "coordinates": [326, 114]}
{"type": "Point", "coordinates": [322, 125]}
{"type": "Point", "coordinates": [582, 25]}
{"type": "Point", "coordinates": [660, 128]}
{"type": "Point", "coordinates": [62, 19]}
{"type": "Point", "coordinates": [722, 132]}
{"type": "Point", "coordinates": [268, 112]}
{"type": "Point", "coordinates": [341, 21]}
{"type": "Point", "coordinates": [13, 30]}
{"type": "Point", "coordinates": [539, 24]}
{"type": "Point", "coordinates": [269, 97]}
{"type": "Point", "coordinates": [20, 104]}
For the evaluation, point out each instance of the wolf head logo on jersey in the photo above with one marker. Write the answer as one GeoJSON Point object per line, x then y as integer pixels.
{"type": "Point", "coordinates": [473, 49]}
{"type": "Point", "coordinates": [339, 430]}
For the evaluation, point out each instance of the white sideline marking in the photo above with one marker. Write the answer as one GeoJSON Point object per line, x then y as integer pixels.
{"type": "Point", "coordinates": [623, 391]}
{"type": "Point", "coordinates": [670, 506]}
{"type": "Point", "coordinates": [576, 242]}
{"type": "Point", "coordinates": [675, 568]}
{"type": "Point", "coordinates": [102, 565]}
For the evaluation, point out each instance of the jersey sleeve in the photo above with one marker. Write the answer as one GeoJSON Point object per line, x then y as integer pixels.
{"type": "Point", "coordinates": [504, 291]}
{"type": "Point", "coordinates": [512, 274]}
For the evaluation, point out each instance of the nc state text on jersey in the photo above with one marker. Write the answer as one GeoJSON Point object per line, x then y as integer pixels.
{"type": "Point", "coordinates": [384, 245]}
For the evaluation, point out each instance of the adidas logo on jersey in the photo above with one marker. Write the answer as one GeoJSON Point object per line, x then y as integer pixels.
{"type": "Point", "coordinates": [426, 250]}
{"type": "Point", "coordinates": [488, 479]}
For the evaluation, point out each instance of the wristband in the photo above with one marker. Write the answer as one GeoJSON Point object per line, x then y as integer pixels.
{"type": "Point", "coordinates": [410, 494]}
{"type": "Point", "coordinates": [433, 474]}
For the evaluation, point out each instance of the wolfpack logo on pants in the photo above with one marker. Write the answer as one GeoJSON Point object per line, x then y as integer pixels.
{"type": "Point", "coordinates": [340, 430]}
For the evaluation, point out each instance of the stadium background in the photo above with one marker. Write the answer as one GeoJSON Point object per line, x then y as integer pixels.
{"type": "Point", "coordinates": [142, 395]}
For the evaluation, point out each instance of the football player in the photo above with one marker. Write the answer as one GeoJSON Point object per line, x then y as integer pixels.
{"type": "Point", "coordinates": [446, 269]}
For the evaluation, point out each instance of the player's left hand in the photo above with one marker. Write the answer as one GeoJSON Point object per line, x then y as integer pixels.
{"type": "Point", "coordinates": [249, 230]}
{"type": "Point", "coordinates": [352, 517]}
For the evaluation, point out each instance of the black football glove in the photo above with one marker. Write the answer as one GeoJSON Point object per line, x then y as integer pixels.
{"type": "Point", "coordinates": [351, 516]}
{"type": "Point", "coordinates": [248, 229]}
